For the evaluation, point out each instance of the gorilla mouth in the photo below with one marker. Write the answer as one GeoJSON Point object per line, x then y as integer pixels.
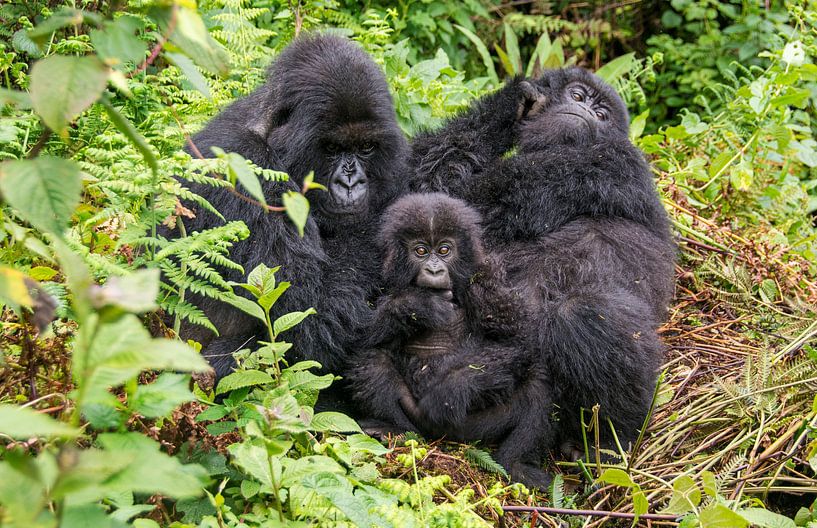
{"type": "Point", "coordinates": [346, 201]}
{"type": "Point", "coordinates": [583, 118]}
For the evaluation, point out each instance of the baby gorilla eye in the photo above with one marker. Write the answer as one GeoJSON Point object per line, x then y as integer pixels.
{"type": "Point", "coordinates": [444, 249]}
{"type": "Point", "coordinates": [577, 96]}
{"type": "Point", "coordinates": [367, 148]}
{"type": "Point", "coordinates": [421, 251]}
{"type": "Point", "coordinates": [601, 115]}
{"type": "Point", "coordinates": [332, 148]}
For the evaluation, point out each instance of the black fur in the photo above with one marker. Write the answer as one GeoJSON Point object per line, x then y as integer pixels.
{"type": "Point", "coordinates": [581, 230]}
{"type": "Point", "coordinates": [453, 362]}
{"type": "Point", "coordinates": [325, 107]}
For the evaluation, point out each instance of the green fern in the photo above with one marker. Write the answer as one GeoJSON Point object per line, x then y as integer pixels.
{"type": "Point", "coordinates": [483, 460]}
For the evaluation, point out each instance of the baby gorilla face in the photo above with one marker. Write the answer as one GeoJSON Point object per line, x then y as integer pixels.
{"type": "Point", "coordinates": [432, 261]}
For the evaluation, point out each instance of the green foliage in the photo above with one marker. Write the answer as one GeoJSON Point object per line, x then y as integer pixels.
{"type": "Point", "coordinates": [96, 104]}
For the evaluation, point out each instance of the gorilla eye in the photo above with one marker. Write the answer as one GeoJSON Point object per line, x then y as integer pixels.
{"type": "Point", "coordinates": [421, 251]}
{"type": "Point", "coordinates": [601, 115]}
{"type": "Point", "coordinates": [367, 148]}
{"type": "Point", "coordinates": [444, 249]}
{"type": "Point", "coordinates": [577, 96]}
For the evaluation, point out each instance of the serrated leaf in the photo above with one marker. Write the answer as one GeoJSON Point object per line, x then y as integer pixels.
{"type": "Point", "coordinates": [268, 299]}
{"type": "Point", "coordinates": [242, 378]}
{"type": "Point", "coordinates": [334, 421]}
{"type": "Point", "coordinates": [240, 171]}
{"type": "Point", "coordinates": [22, 423]}
{"type": "Point", "coordinates": [191, 72]}
{"type": "Point", "coordinates": [719, 163]}
{"type": "Point", "coordinates": [245, 305]}
{"type": "Point", "coordinates": [297, 208]}
{"type": "Point", "coordinates": [287, 321]}
{"type": "Point", "coordinates": [81, 82]}
{"type": "Point", "coordinates": [45, 190]}
{"type": "Point", "coordinates": [367, 444]}
{"type": "Point", "coordinates": [338, 491]}
{"type": "Point", "coordinates": [254, 460]}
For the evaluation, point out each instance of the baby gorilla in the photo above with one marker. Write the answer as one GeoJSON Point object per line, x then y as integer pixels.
{"type": "Point", "coordinates": [443, 356]}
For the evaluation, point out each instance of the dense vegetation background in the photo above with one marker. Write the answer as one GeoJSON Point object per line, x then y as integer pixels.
{"type": "Point", "coordinates": [98, 423]}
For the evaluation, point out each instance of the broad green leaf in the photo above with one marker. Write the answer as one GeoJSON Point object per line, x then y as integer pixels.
{"type": "Point", "coordinates": [367, 444]}
{"type": "Point", "coordinates": [42, 273]}
{"type": "Point", "coordinates": [334, 421]}
{"type": "Point", "coordinates": [287, 321]}
{"type": "Point", "coordinates": [134, 293]}
{"type": "Point", "coordinates": [338, 491]}
{"type": "Point", "coordinates": [247, 306]}
{"type": "Point", "coordinates": [686, 496]}
{"type": "Point", "coordinates": [161, 397]}
{"type": "Point", "coordinates": [512, 45]}
{"type": "Point", "coordinates": [719, 163]}
{"type": "Point", "coordinates": [116, 44]}
{"type": "Point", "coordinates": [640, 503]}
{"type": "Point", "coordinates": [254, 460]}
{"type": "Point", "coordinates": [81, 82]}
{"type": "Point", "coordinates": [295, 470]}
{"type": "Point", "coordinates": [191, 72]}
{"type": "Point", "coordinates": [792, 97]}
{"type": "Point", "coordinates": [617, 67]}
{"type": "Point", "coordinates": [191, 36]}
{"type": "Point", "coordinates": [794, 53]}
{"type": "Point", "coordinates": [483, 53]}
{"type": "Point", "coordinates": [13, 288]}
{"type": "Point", "coordinates": [765, 519]}
{"type": "Point", "coordinates": [741, 176]}
{"type": "Point", "coordinates": [710, 484]}
{"type": "Point", "coordinates": [126, 127]}
{"type": "Point", "coordinates": [541, 52]}
{"type": "Point", "coordinates": [719, 516]}
{"type": "Point", "coordinates": [15, 98]}
{"type": "Point", "coordinates": [45, 191]}
{"type": "Point", "coordinates": [23, 423]}
{"type": "Point", "coordinates": [616, 476]}
{"type": "Point", "coordinates": [152, 471]}
{"type": "Point", "coordinates": [84, 515]}
{"type": "Point", "coordinates": [637, 125]}
{"type": "Point", "coordinates": [297, 208]}
{"type": "Point", "coordinates": [268, 299]}
{"type": "Point", "coordinates": [23, 492]}
{"type": "Point", "coordinates": [65, 17]}
{"type": "Point", "coordinates": [242, 378]}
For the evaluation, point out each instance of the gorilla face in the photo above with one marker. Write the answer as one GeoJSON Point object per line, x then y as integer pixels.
{"type": "Point", "coordinates": [432, 261]}
{"type": "Point", "coordinates": [349, 153]}
{"type": "Point", "coordinates": [580, 109]}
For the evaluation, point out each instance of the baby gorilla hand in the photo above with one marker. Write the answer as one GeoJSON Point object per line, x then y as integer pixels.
{"type": "Point", "coordinates": [424, 308]}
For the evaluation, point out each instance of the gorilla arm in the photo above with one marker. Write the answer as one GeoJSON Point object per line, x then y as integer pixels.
{"type": "Point", "coordinates": [445, 160]}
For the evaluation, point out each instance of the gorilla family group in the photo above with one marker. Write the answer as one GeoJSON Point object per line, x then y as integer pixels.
{"type": "Point", "coordinates": [487, 281]}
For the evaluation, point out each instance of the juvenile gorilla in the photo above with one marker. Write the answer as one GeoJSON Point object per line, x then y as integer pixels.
{"type": "Point", "coordinates": [582, 232]}
{"type": "Point", "coordinates": [325, 108]}
{"type": "Point", "coordinates": [446, 355]}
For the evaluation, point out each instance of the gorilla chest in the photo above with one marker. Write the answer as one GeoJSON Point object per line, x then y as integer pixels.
{"type": "Point", "coordinates": [432, 353]}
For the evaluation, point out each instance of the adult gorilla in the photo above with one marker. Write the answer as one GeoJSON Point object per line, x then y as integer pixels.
{"type": "Point", "coordinates": [325, 107]}
{"type": "Point", "coordinates": [582, 230]}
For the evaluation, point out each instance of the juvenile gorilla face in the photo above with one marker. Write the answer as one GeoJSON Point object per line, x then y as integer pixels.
{"type": "Point", "coordinates": [432, 260]}
{"type": "Point", "coordinates": [431, 241]}
{"type": "Point", "coordinates": [579, 108]}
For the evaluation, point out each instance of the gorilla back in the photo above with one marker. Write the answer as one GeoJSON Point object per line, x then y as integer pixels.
{"type": "Point", "coordinates": [325, 107]}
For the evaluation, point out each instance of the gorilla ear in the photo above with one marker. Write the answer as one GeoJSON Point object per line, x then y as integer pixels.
{"type": "Point", "coordinates": [264, 122]}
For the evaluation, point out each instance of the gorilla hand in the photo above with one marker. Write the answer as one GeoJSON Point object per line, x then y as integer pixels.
{"type": "Point", "coordinates": [531, 101]}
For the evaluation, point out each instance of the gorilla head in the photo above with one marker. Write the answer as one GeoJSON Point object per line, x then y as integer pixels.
{"type": "Point", "coordinates": [431, 241]}
{"type": "Point", "coordinates": [576, 108]}
{"type": "Point", "coordinates": [328, 110]}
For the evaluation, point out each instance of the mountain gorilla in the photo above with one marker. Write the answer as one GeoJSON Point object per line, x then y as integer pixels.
{"type": "Point", "coordinates": [576, 216]}
{"type": "Point", "coordinates": [446, 352]}
{"type": "Point", "coordinates": [325, 107]}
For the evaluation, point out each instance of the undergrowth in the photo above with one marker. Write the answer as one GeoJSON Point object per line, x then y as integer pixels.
{"type": "Point", "coordinates": [98, 420]}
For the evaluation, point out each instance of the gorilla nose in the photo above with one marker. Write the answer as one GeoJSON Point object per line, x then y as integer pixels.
{"type": "Point", "coordinates": [434, 271]}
